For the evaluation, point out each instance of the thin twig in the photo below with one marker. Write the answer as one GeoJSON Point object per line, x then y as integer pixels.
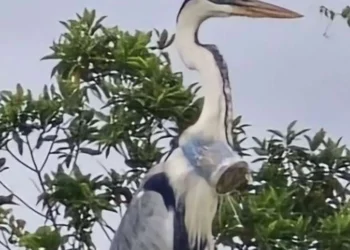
{"type": "Point", "coordinates": [108, 226]}
{"type": "Point", "coordinates": [6, 244]}
{"type": "Point", "coordinates": [41, 181]}
{"type": "Point", "coordinates": [31, 153]}
{"type": "Point", "coordinates": [49, 152]}
{"type": "Point", "coordinates": [101, 165]}
{"type": "Point", "coordinates": [75, 153]}
{"type": "Point", "coordinates": [35, 185]}
{"type": "Point", "coordinates": [19, 160]}
{"type": "Point", "coordinates": [104, 230]}
{"type": "Point", "coordinates": [169, 153]}
{"type": "Point", "coordinates": [21, 200]}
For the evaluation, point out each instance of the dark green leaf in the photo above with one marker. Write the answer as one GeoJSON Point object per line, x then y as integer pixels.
{"type": "Point", "coordinates": [49, 138]}
{"type": "Point", "coordinates": [19, 89]}
{"type": "Point", "coordinates": [90, 151]}
{"type": "Point", "coordinates": [259, 159]}
{"type": "Point", "coordinates": [260, 151]}
{"type": "Point", "coordinates": [276, 132]}
{"type": "Point", "coordinates": [19, 142]}
{"type": "Point", "coordinates": [162, 39]}
{"type": "Point", "coordinates": [236, 121]}
{"type": "Point", "coordinates": [51, 56]}
{"type": "Point", "coordinates": [66, 25]}
{"type": "Point", "coordinates": [346, 12]}
{"type": "Point", "coordinates": [291, 126]}
{"type": "Point", "coordinates": [2, 162]}
{"type": "Point", "coordinates": [39, 142]}
{"type": "Point", "coordinates": [260, 143]}
{"type": "Point", "coordinates": [301, 132]}
{"type": "Point", "coordinates": [7, 200]}
{"type": "Point", "coordinates": [317, 140]}
{"type": "Point", "coordinates": [170, 41]}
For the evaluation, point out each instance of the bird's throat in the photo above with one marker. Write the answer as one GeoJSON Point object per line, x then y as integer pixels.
{"type": "Point", "coordinates": [216, 116]}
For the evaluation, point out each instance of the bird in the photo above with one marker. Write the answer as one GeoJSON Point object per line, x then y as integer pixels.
{"type": "Point", "coordinates": [176, 202]}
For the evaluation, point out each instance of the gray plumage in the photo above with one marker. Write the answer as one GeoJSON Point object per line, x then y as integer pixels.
{"type": "Point", "coordinates": [143, 222]}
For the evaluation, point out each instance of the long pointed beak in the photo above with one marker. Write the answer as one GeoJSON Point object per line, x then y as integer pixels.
{"type": "Point", "coordinates": [256, 8]}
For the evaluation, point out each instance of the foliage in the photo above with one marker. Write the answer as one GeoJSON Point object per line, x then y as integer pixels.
{"type": "Point", "coordinates": [299, 200]}
{"type": "Point", "coordinates": [115, 94]}
{"type": "Point", "coordinates": [345, 13]}
{"type": "Point", "coordinates": [331, 15]}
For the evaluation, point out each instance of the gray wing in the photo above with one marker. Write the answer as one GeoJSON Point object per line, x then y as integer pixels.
{"type": "Point", "coordinates": [146, 225]}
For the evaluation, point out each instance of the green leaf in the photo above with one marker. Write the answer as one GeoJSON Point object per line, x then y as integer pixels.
{"type": "Point", "coordinates": [90, 151]}
{"type": "Point", "coordinates": [19, 142]}
{"type": "Point", "coordinates": [56, 69]}
{"type": "Point", "coordinates": [346, 12]}
{"type": "Point", "coordinates": [260, 143]}
{"type": "Point", "coordinates": [259, 159]}
{"type": "Point", "coordinates": [100, 20]}
{"type": "Point", "coordinates": [317, 140]}
{"type": "Point", "coordinates": [162, 39]}
{"type": "Point", "coordinates": [101, 116]}
{"type": "Point", "coordinates": [65, 24]}
{"type": "Point", "coordinates": [260, 151]}
{"type": "Point", "coordinates": [51, 56]}
{"type": "Point", "coordinates": [46, 94]}
{"type": "Point", "coordinates": [291, 126]}
{"type": "Point", "coordinates": [49, 138]}
{"type": "Point", "coordinates": [39, 142]}
{"type": "Point", "coordinates": [236, 121]}
{"type": "Point", "coordinates": [20, 91]}
{"type": "Point", "coordinates": [87, 115]}
{"type": "Point", "coordinates": [29, 95]}
{"type": "Point", "coordinates": [170, 41]}
{"type": "Point", "coordinates": [2, 162]}
{"type": "Point", "coordinates": [301, 132]}
{"type": "Point", "coordinates": [6, 200]}
{"type": "Point", "coordinates": [191, 86]}
{"type": "Point", "coordinates": [276, 132]}
{"type": "Point", "coordinates": [5, 94]}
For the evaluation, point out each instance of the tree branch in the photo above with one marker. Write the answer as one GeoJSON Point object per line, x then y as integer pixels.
{"type": "Point", "coordinates": [21, 200]}
{"type": "Point", "coordinates": [6, 244]}
{"type": "Point", "coordinates": [104, 231]}
{"type": "Point", "coordinates": [41, 181]}
{"type": "Point", "coordinates": [19, 160]}
{"type": "Point", "coordinates": [49, 152]}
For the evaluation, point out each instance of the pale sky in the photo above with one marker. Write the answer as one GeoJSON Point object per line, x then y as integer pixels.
{"type": "Point", "coordinates": [280, 70]}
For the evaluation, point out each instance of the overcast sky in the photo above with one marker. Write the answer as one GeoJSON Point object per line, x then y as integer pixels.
{"type": "Point", "coordinates": [280, 70]}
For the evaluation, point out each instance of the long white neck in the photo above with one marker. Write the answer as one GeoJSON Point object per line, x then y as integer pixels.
{"type": "Point", "coordinates": [215, 119]}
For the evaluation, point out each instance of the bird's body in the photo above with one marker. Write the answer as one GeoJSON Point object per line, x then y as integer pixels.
{"type": "Point", "coordinates": [176, 203]}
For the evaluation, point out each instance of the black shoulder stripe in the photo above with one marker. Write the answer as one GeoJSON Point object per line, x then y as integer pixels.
{"type": "Point", "coordinates": [160, 183]}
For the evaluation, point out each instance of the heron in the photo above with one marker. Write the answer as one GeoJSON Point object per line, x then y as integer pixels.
{"type": "Point", "coordinates": [176, 203]}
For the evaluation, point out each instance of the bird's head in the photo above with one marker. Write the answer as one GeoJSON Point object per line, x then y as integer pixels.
{"type": "Point", "coordinates": [224, 8]}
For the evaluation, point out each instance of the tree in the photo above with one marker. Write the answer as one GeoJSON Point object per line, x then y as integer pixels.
{"type": "Point", "coordinates": [115, 94]}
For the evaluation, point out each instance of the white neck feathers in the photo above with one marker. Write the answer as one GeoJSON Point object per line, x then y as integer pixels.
{"type": "Point", "coordinates": [200, 199]}
{"type": "Point", "coordinates": [217, 109]}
